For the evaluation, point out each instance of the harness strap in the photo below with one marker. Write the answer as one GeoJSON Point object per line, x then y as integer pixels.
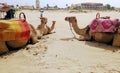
{"type": "Point", "coordinates": [20, 16]}
{"type": "Point", "coordinates": [97, 15]}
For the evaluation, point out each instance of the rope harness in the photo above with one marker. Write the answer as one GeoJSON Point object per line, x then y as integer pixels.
{"type": "Point", "coordinates": [75, 37]}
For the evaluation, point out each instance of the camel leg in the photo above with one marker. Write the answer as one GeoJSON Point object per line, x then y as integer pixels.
{"type": "Point", "coordinates": [39, 34]}
{"type": "Point", "coordinates": [116, 40]}
{"type": "Point", "coordinates": [83, 38]}
{"type": "Point", "coordinates": [3, 47]}
{"type": "Point", "coordinates": [33, 35]}
{"type": "Point", "coordinates": [87, 36]}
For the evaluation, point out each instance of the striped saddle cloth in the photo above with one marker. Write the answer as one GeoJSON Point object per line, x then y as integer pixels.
{"type": "Point", "coordinates": [14, 29]}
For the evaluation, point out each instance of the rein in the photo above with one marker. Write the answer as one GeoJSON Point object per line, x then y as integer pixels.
{"type": "Point", "coordinates": [75, 37]}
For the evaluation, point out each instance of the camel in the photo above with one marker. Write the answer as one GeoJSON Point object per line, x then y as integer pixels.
{"type": "Point", "coordinates": [5, 46]}
{"type": "Point", "coordinates": [88, 35]}
{"type": "Point", "coordinates": [20, 43]}
{"type": "Point", "coordinates": [35, 35]}
{"type": "Point", "coordinates": [41, 30]}
{"type": "Point", "coordinates": [44, 28]}
{"type": "Point", "coordinates": [83, 32]}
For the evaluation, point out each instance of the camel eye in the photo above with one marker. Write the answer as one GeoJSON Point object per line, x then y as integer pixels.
{"type": "Point", "coordinates": [75, 20]}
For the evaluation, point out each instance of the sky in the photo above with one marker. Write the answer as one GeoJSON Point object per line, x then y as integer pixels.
{"type": "Point", "coordinates": [60, 3]}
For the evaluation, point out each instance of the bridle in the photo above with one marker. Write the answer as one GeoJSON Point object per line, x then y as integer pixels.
{"type": "Point", "coordinates": [74, 36]}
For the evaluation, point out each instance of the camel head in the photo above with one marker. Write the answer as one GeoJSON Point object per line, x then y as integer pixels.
{"type": "Point", "coordinates": [71, 19]}
{"type": "Point", "coordinates": [43, 20]}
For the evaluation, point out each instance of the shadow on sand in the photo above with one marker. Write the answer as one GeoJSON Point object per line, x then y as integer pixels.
{"type": "Point", "coordinates": [103, 46]}
{"type": "Point", "coordinates": [68, 39]}
{"type": "Point", "coordinates": [96, 44]}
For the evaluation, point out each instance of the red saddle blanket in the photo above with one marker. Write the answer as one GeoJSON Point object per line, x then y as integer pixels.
{"type": "Point", "coordinates": [14, 30]}
{"type": "Point", "coordinates": [104, 25]}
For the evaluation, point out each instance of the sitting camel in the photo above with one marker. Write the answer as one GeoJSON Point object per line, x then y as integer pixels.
{"type": "Point", "coordinates": [35, 34]}
{"type": "Point", "coordinates": [5, 46]}
{"type": "Point", "coordinates": [104, 37]}
{"type": "Point", "coordinates": [43, 28]}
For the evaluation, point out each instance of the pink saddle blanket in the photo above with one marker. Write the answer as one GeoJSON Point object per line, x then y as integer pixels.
{"type": "Point", "coordinates": [104, 25]}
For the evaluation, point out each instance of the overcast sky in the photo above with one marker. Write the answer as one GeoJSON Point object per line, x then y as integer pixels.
{"type": "Point", "coordinates": [60, 3]}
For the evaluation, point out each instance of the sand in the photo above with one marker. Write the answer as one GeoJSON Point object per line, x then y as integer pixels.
{"type": "Point", "coordinates": [60, 52]}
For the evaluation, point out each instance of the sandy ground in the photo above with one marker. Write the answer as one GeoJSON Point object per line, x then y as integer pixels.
{"type": "Point", "coordinates": [59, 52]}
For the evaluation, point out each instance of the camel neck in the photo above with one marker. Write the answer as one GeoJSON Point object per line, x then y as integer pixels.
{"type": "Point", "coordinates": [78, 30]}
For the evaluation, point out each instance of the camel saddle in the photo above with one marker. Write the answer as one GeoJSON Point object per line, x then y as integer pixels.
{"type": "Point", "coordinates": [14, 29]}
{"type": "Point", "coordinates": [104, 25]}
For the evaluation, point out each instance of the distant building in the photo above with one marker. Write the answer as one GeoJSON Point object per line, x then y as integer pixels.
{"type": "Point", "coordinates": [37, 4]}
{"type": "Point", "coordinates": [88, 5]}
{"type": "Point", "coordinates": [51, 7]}
{"type": "Point", "coordinates": [27, 7]}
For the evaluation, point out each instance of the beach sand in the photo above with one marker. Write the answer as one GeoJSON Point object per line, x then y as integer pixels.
{"type": "Point", "coordinates": [60, 52]}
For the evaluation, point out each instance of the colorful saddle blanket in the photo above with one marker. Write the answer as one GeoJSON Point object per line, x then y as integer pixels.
{"type": "Point", "coordinates": [14, 30]}
{"type": "Point", "coordinates": [104, 25]}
